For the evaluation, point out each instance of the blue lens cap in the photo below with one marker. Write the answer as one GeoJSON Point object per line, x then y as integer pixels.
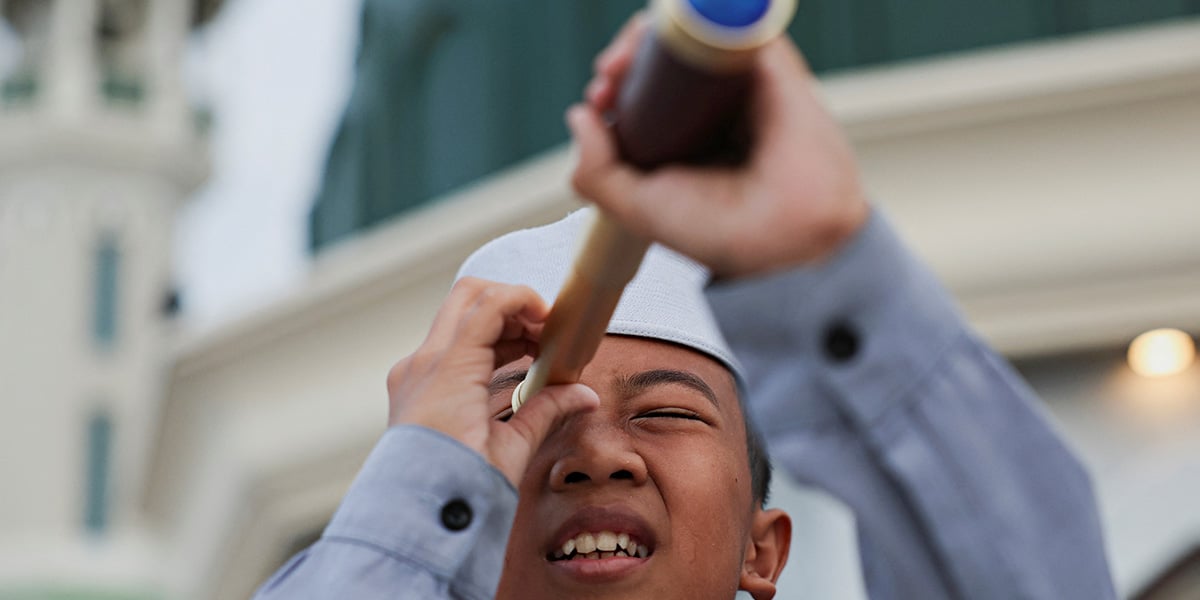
{"type": "Point", "coordinates": [731, 13]}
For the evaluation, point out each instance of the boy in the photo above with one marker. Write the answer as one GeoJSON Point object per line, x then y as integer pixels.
{"type": "Point", "coordinates": [850, 357]}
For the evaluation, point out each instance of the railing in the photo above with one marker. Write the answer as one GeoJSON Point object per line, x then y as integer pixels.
{"type": "Point", "coordinates": [117, 89]}
{"type": "Point", "coordinates": [121, 89]}
{"type": "Point", "coordinates": [19, 89]}
{"type": "Point", "coordinates": [449, 92]}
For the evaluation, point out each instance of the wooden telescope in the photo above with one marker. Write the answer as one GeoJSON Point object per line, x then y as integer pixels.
{"type": "Point", "coordinates": [681, 101]}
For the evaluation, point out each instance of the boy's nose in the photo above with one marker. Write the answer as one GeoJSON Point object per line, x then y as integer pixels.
{"type": "Point", "coordinates": [598, 455]}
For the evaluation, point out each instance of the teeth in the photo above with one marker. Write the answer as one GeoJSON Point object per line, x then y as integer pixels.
{"type": "Point", "coordinates": [606, 541]}
{"type": "Point", "coordinates": [603, 544]}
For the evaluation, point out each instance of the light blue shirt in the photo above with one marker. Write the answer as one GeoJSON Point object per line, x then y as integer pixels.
{"type": "Point", "coordinates": [864, 381]}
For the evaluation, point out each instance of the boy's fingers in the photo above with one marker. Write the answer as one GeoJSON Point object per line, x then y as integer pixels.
{"type": "Point", "coordinates": [483, 322]}
{"type": "Point", "coordinates": [598, 175]}
{"type": "Point", "coordinates": [616, 58]}
{"type": "Point", "coordinates": [543, 413]}
{"type": "Point", "coordinates": [611, 65]}
{"type": "Point", "coordinates": [445, 322]}
{"type": "Point", "coordinates": [641, 203]}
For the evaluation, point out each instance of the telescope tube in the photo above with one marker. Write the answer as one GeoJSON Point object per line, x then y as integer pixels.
{"type": "Point", "coordinates": [679, 102]}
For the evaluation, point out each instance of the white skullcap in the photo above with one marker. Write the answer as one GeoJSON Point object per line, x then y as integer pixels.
{"type": "Point", "coordinates": [665, 301]}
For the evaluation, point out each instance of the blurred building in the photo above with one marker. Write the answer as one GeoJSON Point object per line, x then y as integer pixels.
{"type": "Point", "coordinates": [1040, 155]}
{"type": "Point", "coordinates": [98, 147]}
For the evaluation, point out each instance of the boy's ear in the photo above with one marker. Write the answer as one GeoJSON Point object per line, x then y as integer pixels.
{"type": "Point", "coordinates": [766, 553]}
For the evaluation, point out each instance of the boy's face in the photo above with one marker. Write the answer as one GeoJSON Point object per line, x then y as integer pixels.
{"type": "Point", "coordinates": [661, 466]}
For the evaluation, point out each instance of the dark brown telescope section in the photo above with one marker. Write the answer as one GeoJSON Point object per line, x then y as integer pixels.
{"type": "Point", "coordinates": [671, 111]}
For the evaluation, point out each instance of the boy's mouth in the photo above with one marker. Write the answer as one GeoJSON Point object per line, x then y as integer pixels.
{"type": "Point", "coordinates": [600, 545]}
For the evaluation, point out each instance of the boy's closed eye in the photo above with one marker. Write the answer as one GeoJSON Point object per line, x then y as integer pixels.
{"type": "Point", "coordinates": [670, 413]}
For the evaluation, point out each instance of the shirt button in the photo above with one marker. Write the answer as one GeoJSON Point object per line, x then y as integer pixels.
{"type": "Point", "coordinates": [841, 342]}
{"type": "Point", "coordinates": [456, 515]}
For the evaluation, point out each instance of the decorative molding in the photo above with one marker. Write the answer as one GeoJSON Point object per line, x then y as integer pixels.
{"type": "Point", "coordinates": [112, 142]}
{"type": "Point", "coordinates": [1035, 78]}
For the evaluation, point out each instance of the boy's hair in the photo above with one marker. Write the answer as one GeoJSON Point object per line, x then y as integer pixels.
{"type": "Point", "coordinates": [760, 461]}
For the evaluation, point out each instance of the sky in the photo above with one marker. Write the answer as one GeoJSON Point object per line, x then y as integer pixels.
{"type": "Point", "coordinates": [8, 48]}
{"type": "Point", "coordinates": [276, 74]}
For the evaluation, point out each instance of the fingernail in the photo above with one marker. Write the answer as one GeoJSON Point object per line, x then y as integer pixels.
{"type": "Point", "coordinates": [594, 88]}
{"type": "Point", "coordinates": [604, 66]}
{"type": "Point", "coordinates": [601, 63]}
{"type": "Point", "coordinates": [574, 113]}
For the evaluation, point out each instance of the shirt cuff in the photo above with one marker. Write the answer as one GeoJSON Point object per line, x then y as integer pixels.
{"type": "Point", "coordinates": [869, 321]}
{"type": "Point", "coordinates": [426, 499]}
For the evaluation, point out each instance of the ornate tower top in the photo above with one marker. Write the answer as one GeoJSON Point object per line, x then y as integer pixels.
{"type": "Point", "coordinates": [104, 68]}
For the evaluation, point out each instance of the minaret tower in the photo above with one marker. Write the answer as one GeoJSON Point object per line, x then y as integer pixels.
{"type": "Point", "coordinates": [98, 149]}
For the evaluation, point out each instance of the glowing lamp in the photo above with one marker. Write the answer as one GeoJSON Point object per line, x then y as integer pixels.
{"type": "Point", "coordinates": [1161, 352]}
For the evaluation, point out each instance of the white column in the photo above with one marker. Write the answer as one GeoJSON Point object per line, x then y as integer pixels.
{"type": "Point", "coordinates": [70, 67]}
{"type": "Point", "coordinates": [167, 28]}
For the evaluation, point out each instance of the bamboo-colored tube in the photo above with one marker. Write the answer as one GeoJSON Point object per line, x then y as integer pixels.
{"type": "Point", "coordinates": [607, 260]}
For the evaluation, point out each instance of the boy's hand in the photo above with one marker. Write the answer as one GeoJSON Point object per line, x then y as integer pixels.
{"type": "Point", "coordinates": [794, 201]}
{"type": "Point", "coordinates": [444, 384]}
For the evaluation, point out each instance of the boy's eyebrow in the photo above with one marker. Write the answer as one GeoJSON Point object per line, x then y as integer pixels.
{"type": "Point", "coordinates": [630, 385]}
{"type": "Point", "coordinates": [506, 380]}
{"type": "Point", "coordinates": [638, 382]}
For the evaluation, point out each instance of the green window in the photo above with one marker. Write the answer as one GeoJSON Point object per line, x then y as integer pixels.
{"type": "Point", "coordinates": [105, 292]}
{"type": "Point", "coordinates": [98, 463]}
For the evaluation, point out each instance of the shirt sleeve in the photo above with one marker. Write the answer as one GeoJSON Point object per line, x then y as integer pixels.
{"type": "Point", "coordinates": [865, 381]}
{"type": "Point", "coordinates": [426, 518]}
